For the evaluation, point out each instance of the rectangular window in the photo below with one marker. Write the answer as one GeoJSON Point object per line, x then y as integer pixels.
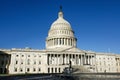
{"type": "Point", "coordinates": [28, 69]}
{"type": "Point", "coordinates": [39, 62]}
{"type": "Point", "coordinates": [39, 69]}
{"type": "Point", "coordinates": [34, 69]}
{"type": "Point", "coordinates": [15, 69]}
{"type": "Point", "coordinates": [16, 62]}
{"type": "Point", "coordinates": [21, 69]}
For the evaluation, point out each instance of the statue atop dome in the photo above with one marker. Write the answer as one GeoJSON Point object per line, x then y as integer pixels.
{"type": "Point", "coordinates": [60, 14]}
{"type": "Point", "coordinates": [60, 8]}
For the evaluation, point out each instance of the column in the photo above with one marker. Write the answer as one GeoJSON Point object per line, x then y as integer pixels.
{"type": "Point", "coordinates": [70, 42]}
{"type": "Point", "coordinates": [75, 58]}
{"type": "Point", "coordinates": [57, 59]}
{"type": "Point", "coordinates": [91, 60]}
{"type": "Point", "coordinates": [88, 59]}
{"type": "Point", "coordinates": [50, 42]}
{"type": "Point", "coordinates": [61, 59]}
{"type": "Point", "coordinates": [81, 59]}
{"type": "Point", "coordinates": [54, 41]}
{"type": "Point", "coordinates": [68, 58]}
{"type": "Point", "coordinates": [67, 42]}
{"type": "Point", "coordinates": [65, 58]}
{"type": "Point", "coordinates": [53, 59]}
{"type": "Point", "coordinates": [57, 41]}
{"type": "Point", "coordinates": [64, 41]}
{"type": "Point", "coordinates": [84, 59]}
{"type": "Point", "coordinates": [50, 58]}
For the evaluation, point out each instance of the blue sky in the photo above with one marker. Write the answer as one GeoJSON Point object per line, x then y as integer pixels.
{"type": "Point", "coordinates": [25, 23]}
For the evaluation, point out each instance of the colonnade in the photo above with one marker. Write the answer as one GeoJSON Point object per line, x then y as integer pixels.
{"type": "Point", "coordinates": [61, 41]}
{"type": "Point", "coordinates": [76, 59]}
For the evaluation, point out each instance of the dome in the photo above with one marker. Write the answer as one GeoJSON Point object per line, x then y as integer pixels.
{"type": "Point", "coordinates": [60, 27]}
{"type": "Point", "coordinates": [60, 23]}
{"type": "Point", "coordinates": [60, 34]}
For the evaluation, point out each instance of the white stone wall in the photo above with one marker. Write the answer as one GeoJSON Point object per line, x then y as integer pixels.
{"type": "Point", "coordinates": [26, 62]}
{"type": "Point", "coordinates": [105, 62]}
{"type": "Point", "coordinates": [117, 58]}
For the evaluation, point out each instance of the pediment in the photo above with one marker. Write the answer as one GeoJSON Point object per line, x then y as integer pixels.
{"type": "Point", "coordinates": [73, 49]}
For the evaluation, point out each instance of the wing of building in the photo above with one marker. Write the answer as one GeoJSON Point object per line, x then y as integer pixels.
{"type": "Point", "coordinates": [60, 53]}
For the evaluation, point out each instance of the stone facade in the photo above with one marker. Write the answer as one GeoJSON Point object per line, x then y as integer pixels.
{"type": "Point", "coordinates": [60, 51]}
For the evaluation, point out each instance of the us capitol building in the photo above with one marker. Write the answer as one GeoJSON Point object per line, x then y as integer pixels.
{"type": "Point", "coordinates": [60, 51]}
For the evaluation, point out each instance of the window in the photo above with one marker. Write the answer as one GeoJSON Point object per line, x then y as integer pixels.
{"type": "Point", "coordinates": [22, 55]}
{"type": "Point", "coordinates": [21, 62]}
{"type": "Point", "coordinates": [39, 62]}
{"type": "Point", "coordinates": [16, 62]}
{"type": "Point", "coordinates": [39, 69]}
{"type": "Point", "coordinates": [17, 55]}
{"type": "Point", "coordinates": [28, 69]}
{"type": "Point", "coordinates": [34, 62]}
{"type": "Point", "coordinates": [21, 69]}
{"type": "Point", "coordinates": [28, 61]}
{"type": "Point", "coordinates": [15, 69]}
{"type": "Point", "coordinates": [28, 55]}
{"type": "Point", "coordinates": [34, 69]}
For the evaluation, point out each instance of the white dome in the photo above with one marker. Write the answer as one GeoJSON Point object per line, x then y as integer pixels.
{"type": "Point", "coordinates": [60, 34]}
{"type": "Point", "coordinates": [60, 27]}
{"type": "Point", "coordinates": [60, 23]}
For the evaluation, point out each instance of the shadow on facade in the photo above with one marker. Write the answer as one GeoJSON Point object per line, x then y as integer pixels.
{"type": "Point", "coordinates": [4, 62]}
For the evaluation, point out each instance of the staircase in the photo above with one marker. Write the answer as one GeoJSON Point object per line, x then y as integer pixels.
{"type": "Point", "coordinates": [82, 69]}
